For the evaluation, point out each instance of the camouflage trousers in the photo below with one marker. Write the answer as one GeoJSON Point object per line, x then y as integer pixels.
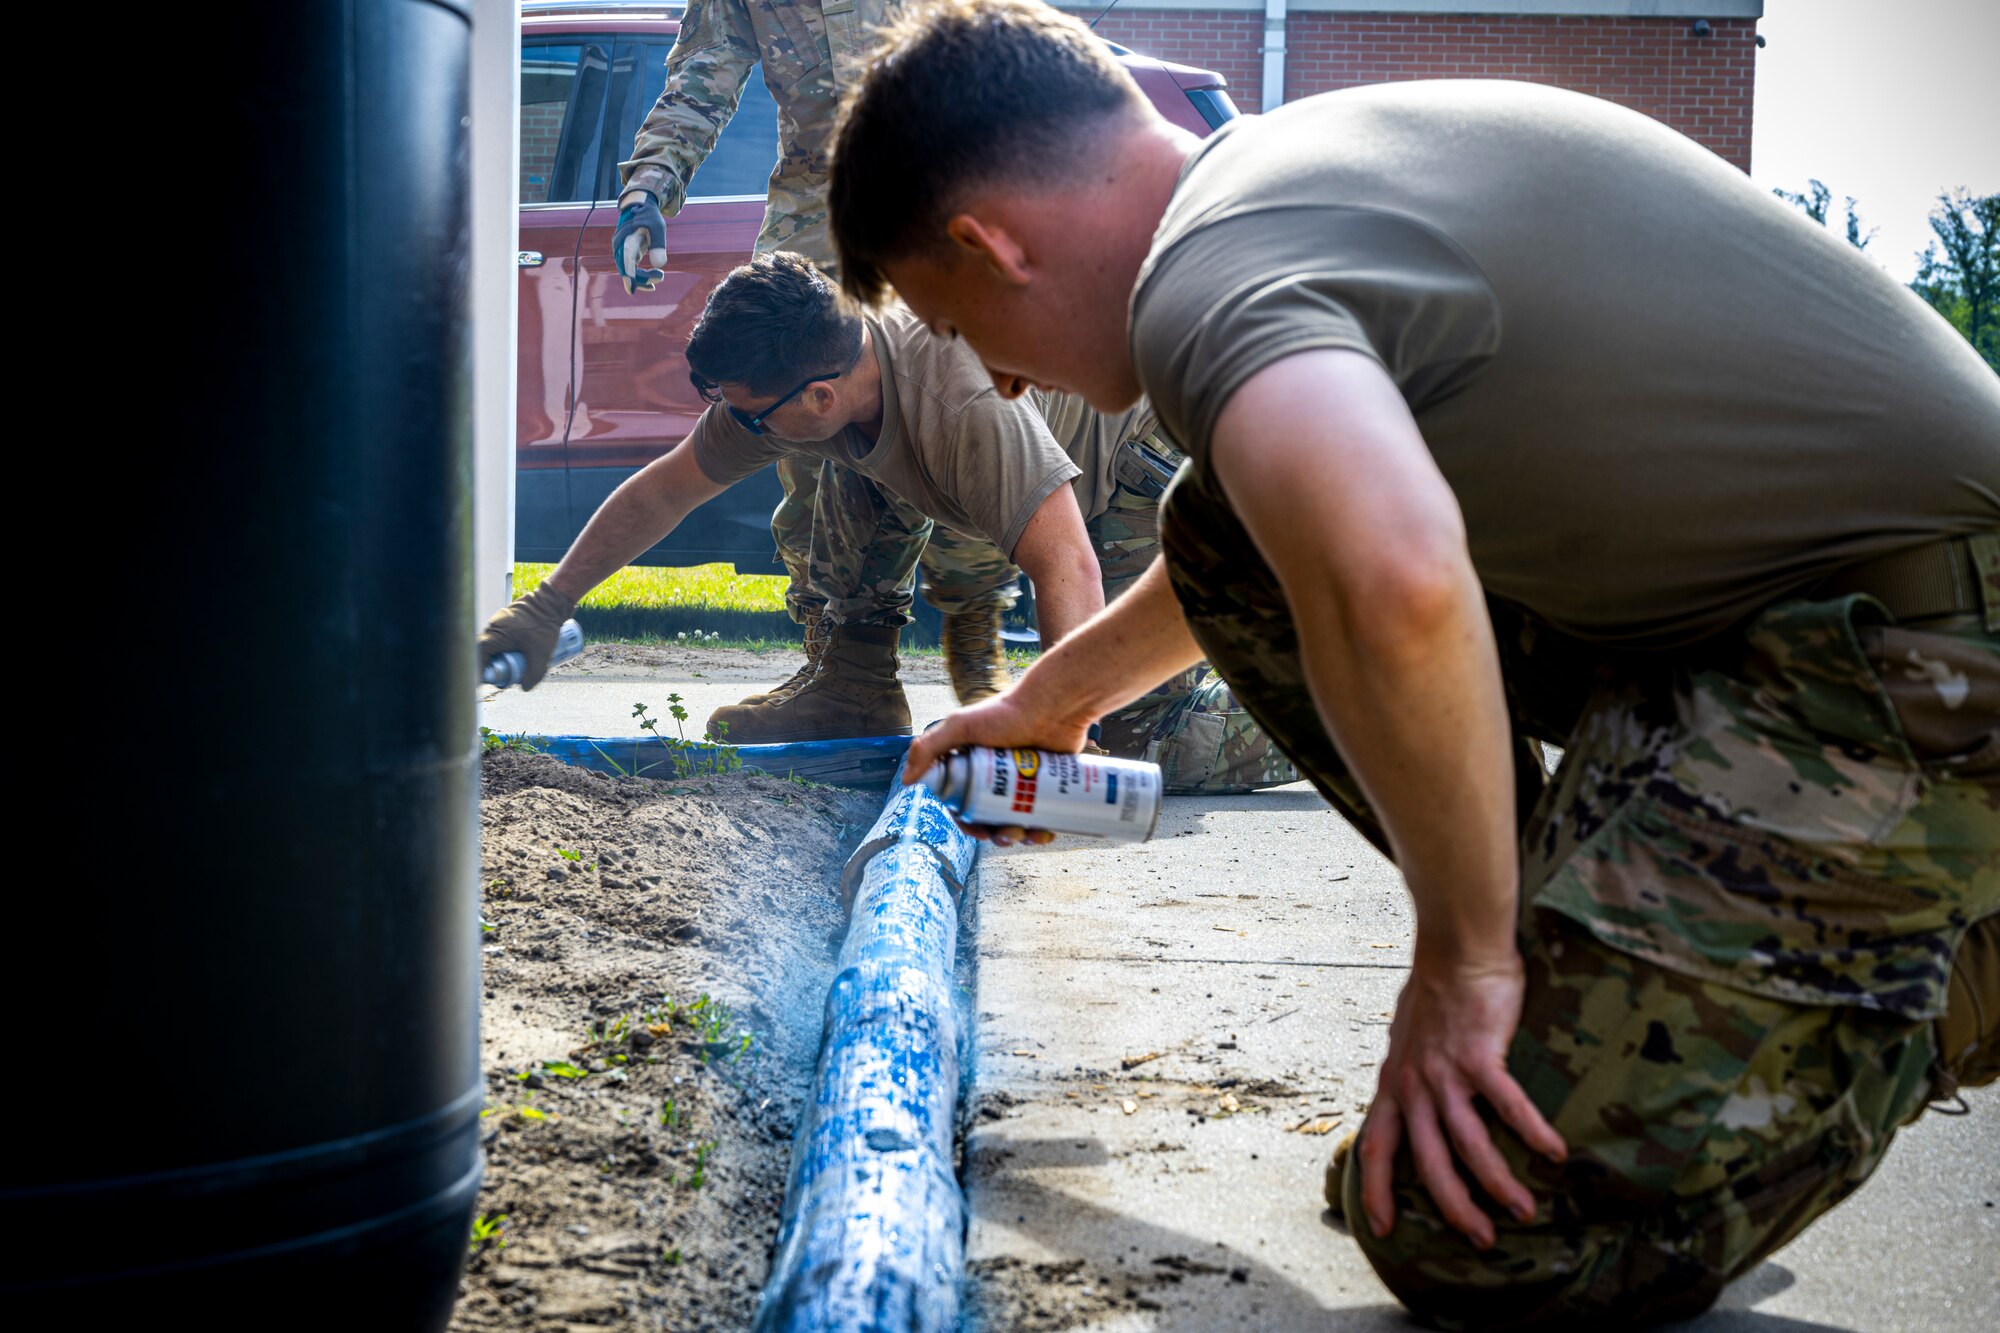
{"type": "Point", "coordinates": [853, 549]}
{"type": "Point", "coordinates": [1760, 913]}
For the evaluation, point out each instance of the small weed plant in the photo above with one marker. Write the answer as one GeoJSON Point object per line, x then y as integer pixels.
{"type": "Point", "coordinates": [699, 1176]}
{"type": "Point", "coordinates": [689, 757]}
{"type": "Point", "coordinates": [489, 1231]}
{"type": "Point", "coordinates": [491, 740]}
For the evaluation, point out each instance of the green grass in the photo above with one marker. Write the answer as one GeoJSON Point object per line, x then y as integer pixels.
{"type": "Point", "coordinates": [710, 604]}
{"type": "Point", "coordinates": [654, 604]}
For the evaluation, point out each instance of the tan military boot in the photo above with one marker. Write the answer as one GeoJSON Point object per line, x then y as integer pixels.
{"type": "Point", "coordinates": [854, 693]}
{"type": "Point", "coordinates": [975, 655]}
{"type": "Point", "coordinates": [815, 649]}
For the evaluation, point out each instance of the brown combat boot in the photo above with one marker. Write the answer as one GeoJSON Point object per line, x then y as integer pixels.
{"type": "Point", "coordinates": [815, 650]}
{"type": "Point", "coordinates": [975, 655]}
{"type": "Point", "coordinates": [854, 693]}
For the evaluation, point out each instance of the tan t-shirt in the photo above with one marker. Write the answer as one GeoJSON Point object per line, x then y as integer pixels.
{"type": "Point", "coordinates": [950, 444]}
{"type": "Point", "coordinates": [1662, 398]}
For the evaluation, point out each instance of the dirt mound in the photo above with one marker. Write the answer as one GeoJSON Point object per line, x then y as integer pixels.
{"type": "Point", "coordinates": [656, 957]}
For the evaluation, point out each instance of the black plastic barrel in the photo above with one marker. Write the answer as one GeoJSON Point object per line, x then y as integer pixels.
{"type": "Point", "coordinates": [250, 1053]}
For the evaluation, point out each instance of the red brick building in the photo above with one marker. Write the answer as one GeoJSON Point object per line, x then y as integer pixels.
{"type": "Point", "coordinates": [1692, 66]}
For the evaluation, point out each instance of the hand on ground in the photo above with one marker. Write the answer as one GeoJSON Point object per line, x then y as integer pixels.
{"type": "Point", "coordinates": [1448, 1045]}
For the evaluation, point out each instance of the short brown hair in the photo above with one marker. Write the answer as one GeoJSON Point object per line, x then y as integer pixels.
{"type": "Point", "coordinates": [771, 323]}
{"type": "Point", "coordinates": [960, 94]}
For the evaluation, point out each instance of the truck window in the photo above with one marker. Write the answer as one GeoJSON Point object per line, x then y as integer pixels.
{"type": "Point", "coordinates": [562, 108]}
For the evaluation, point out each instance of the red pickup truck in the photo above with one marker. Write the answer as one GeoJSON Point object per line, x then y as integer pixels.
{"type": "Point", "coordinates": [603, 387]}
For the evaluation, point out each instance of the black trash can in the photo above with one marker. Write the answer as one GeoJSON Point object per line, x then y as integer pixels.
{"type": "Point", "coordinates": [259, 983]}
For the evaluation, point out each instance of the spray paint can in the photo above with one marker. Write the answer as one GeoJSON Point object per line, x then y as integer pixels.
{"type": "Point", "coordinates": [1094, 796]}
{"type": "Point", "coordinates": [507, 668]}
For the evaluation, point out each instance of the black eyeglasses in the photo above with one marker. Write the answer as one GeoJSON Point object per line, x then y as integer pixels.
{"type": "Point", "coordinates": [712, 393]}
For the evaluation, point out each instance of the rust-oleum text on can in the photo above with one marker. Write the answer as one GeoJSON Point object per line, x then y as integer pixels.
{"type": "Point", "coordinates": [1094, 796]}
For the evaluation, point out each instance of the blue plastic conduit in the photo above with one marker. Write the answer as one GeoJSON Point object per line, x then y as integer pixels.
{"type": "Point", "coordinates": [873, 1234]}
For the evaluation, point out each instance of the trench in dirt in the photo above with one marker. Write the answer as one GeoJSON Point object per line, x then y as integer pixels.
{"type": "Point", "coordinates": [637, 1136]}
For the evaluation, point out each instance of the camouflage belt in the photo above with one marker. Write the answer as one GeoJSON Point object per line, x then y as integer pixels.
{"type": "Point", "coordinates": [1953, 577]}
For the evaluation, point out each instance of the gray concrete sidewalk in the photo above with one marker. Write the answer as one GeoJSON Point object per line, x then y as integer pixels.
{"type": "Point", "coordinates": [1249, 958]}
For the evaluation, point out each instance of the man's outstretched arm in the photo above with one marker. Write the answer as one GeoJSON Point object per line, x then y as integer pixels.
{"type": "Point", "coordinates": [1322, 461]}
{"type": "Point", "coordinates": [650, 504]}
{"type": "Point", "coordinates": [1054, 550]}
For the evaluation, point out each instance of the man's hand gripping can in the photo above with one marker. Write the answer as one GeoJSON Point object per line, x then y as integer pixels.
{"type": "Point", "coordinates": [1094, 796]}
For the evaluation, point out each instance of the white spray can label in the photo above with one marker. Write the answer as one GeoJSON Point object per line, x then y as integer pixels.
{"type": "Point", "coordinates": [1093, 796]}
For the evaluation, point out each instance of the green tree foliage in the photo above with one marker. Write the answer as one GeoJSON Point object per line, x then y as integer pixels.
{"type": "Point", "coordinates": [1815, 205]}
{"type": "Point", "coordinates": [1962, 282]}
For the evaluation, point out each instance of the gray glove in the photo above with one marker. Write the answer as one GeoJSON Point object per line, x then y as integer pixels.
{"type": "Point", "coordinates": [641, 234]}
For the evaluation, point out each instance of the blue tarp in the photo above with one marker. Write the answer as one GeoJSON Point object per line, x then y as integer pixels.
{"type": "Point", "coordinates": [871, 761]}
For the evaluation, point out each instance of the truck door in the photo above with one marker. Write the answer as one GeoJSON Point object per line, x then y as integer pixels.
{"type": "Point", "coordinates": [565, 82]}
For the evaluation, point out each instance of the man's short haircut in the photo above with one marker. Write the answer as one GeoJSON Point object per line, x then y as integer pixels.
{"type": "Point", "coordinates": [963, 94]}
{"type": "Point", "coordinates": [771, 324]}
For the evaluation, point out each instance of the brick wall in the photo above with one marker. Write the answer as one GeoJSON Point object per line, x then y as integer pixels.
{"type": "Point", "coordinates": [1700, 86]}
{"type": "Point", "coordinates": [541, 129]}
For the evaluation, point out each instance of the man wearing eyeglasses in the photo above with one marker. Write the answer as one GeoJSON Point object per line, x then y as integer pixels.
{"type": "Point", "coordinates": [908, 434]}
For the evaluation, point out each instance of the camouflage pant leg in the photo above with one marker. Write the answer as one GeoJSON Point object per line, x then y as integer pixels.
{"type": "Point", "coordinates": [890, 542]}
{"type": "Point", "coordinates": [1706, 1128]}
{"type": "Point", "coordinates": [964, 573]}
{"type": "Point", "coordinates": [1746, 891]}
{"type": "Point", "coordinates": [865, 544]}
{"type": "Point", "coordinates": [1191, 725]}
{"type": "Point", "coordinates": [791, 531]}
{"type": "Point", "coordinates": [1744, 914]}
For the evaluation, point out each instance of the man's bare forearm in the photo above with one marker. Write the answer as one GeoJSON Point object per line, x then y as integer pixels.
{"type": "Point", "coordinates": [1328, 472]}
{"type": "Point", "coordinates": [649, 505]}
{"type": "Point", "coordinates": [1054, 549]}
{"type": "Point", "coordinates": [1113, 658]}
{"type": "Point", "coordinates": [1120, 653]}
{"type": "Point", "coordinates": [1413, 700]}
{"type": "Point", "coordinates": [1067, 594]}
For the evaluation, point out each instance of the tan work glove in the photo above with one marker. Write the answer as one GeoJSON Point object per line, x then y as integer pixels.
{"type": "Point", "coordinates": [528, 627]}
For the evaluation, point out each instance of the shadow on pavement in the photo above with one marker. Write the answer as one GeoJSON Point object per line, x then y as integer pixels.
{"type": "Point", "coordinates": [1201, 1286]}
{"type": "Point", "coordinates": [1195, 1281]}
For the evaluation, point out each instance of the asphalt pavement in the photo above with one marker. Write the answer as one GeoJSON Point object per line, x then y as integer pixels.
{"type": "Point", "coordinates": [1171, 1037]}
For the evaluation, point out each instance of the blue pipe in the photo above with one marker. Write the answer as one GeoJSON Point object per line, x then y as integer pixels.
{"type": "Point", "coordinates": [873, 1232]}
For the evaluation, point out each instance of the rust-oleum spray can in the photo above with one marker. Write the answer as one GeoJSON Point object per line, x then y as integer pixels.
{"type": "Point", "coordinates": [1094, 796]}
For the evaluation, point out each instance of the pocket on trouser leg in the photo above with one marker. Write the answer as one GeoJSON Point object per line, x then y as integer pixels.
{"type": "Point", "coordinates": [1765, 825]}
{"type": "Point", "coordinates": [1213, 747]}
